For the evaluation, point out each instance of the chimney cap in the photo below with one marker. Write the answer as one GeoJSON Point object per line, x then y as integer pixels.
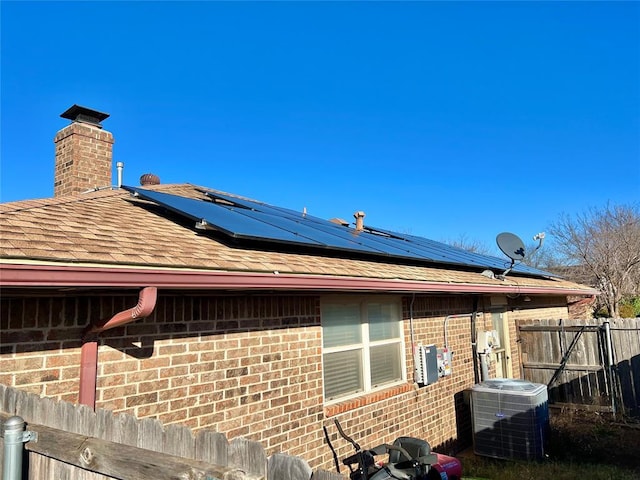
{"type": "Point", "coordinates": [77, 113]}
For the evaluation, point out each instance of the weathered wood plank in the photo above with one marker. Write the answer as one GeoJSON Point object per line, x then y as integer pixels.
{"type": "Point", "coordinates": [150, 435]}
{"type": "Point", "coordinates": [556, 328]}
{"type": "Point", "coordinates": [248, 456]}
{"type": "Point", "coordinates": [324, 475]}
{"type": "Point", "coordinates": [285, 467]}
{"type": "Point", "coordinates": [123, 461]}
{"type": "Point", "coordinates": [46, 468]}
{"type": "Point", "coordinates": [178, 440]}
{"type": "Point", "coordinates": [554, 366]}
{"type": "Point", "coordinates": [212, 447]}
{"type": "Point", "coordinates": [585, 378]}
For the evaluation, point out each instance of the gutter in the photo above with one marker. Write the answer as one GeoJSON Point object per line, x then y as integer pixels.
{"type": "Point", "coordinates": [89, 351]}
{"type": "Point", "coordinates": [51, 275]}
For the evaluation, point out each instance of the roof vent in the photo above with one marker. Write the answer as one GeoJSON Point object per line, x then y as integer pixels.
{"type": "Point", "coordinates": [149, 179]}
{"type": "Point", "coordinates": [339, 221]}
{"type": "Point", "coordinates": [79, 114]}
{"type": "Point", "coordinates": [359, 216]}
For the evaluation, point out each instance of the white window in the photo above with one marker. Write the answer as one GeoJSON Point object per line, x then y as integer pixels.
{"type": "Point", "coordinates": [362, 345]}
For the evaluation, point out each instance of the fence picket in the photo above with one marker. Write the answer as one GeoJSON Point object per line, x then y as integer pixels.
{"type": "Point", "coordinates": [249, 456]}
{"type": "Point", "coordinates": [585, 378]}
{"type": "Point", "coordinates": [178, 440]}
{"type": "Point", "coordinates": [212, 447]}
{"type": "Point", "coordinates": [285, 467]}
{"type": "Point", "coordinates": [324, 475]}
{"type": "Point", "coordinates": [76, 443]}
{"type": "Point", "coordinates": [150, 435]}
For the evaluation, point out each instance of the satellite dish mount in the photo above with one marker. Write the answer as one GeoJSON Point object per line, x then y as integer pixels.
{"type": "Point", "coordinates": [512, 247]}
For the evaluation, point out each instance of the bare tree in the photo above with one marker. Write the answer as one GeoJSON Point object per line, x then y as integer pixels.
{"type": "Point", "coordinates": [470, 244]}
{"type": "Point", "coordinates": [601, 247]}
{"type": "Point", "coordinates": [542, 257]}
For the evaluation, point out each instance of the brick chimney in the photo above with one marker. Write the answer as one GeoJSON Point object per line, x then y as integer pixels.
{"type": "Point", "coordinates": [83, 153]}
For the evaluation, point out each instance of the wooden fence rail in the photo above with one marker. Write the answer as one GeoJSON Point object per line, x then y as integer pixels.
{"type": "Point", "coordinates": [76, 443]}
{"type": "Point", "coordinates": [571, 357]}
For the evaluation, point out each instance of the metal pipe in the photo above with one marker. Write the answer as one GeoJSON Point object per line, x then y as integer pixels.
{"type": "Point", "coordinates": [119, 168]}
{"type": "Point", "coordinates": [484, 366]}
{"type": "Point", "coordinates": [88, 373]}
{"type": "Point", "coordinates": [610, 365]}
{"type": "Point", "coordinates": [474, 340]}
{"type": "Point", "coordinates": [359, 216]}
{"type": "Point", "coordinates": [13, 450]}
{"type": "Point", "coordinates": [89, 351]}
{"type": "Point", "coordinates": [446, 320]}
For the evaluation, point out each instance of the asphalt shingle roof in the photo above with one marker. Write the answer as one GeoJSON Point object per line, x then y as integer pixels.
{"type": "Point", "coordinates": [110, 227]}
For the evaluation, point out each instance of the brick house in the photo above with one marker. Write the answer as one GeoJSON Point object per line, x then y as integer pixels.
{"type": "Point", "coordinates": [113, 300]}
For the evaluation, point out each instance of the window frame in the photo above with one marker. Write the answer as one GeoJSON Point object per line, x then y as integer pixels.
{"type": "Point", "coordinates": [365, 346]}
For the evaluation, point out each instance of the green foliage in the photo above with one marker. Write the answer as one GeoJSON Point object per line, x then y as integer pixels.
{"type": "Point", "coordinates": [626, 311]}
{"type": "Point", "coordinates": [630, 307]}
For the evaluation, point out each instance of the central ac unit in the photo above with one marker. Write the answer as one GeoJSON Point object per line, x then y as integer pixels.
{"type": "Point", "coordinates": [510, 419]}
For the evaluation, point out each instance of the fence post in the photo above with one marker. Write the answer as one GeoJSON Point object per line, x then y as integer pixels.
{"type": "Point", "coordinates": [14, 436]}
{"type": "Point", "coordinates": [611, 365]}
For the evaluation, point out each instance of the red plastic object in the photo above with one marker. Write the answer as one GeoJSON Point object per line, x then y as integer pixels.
{"type": "Point", "coordinates": [448, 467]}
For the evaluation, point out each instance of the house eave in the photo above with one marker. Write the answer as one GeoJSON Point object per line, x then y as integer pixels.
{"type": "Point", "coordinates": [54, 275]}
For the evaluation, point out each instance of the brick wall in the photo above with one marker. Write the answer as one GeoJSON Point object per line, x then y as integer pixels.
{"type": "Point", "coordinates": [244, 365]}
{"type": "Point", "coordinates": [83, 159]}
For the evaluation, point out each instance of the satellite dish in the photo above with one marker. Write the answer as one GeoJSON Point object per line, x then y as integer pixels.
{"type": "Point", "coordinates": [511, 246]}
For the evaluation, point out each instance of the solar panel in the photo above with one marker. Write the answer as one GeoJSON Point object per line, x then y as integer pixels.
{"type": "Point", "coordinates": [461, 256]}
{"type": "Point", "coordinates": [247, 219]}
{"type": "Point", "coordinates": [225, 220]}
{"type": "Point", "coordinates": [390, 243]}
{"type": "Point", "coordinates": [365, 240]}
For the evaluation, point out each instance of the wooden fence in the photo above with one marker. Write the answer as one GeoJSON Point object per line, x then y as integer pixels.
{"type": "Point", "coordinates": [572, 358]}
{"type": "Point", "coordinates": [75, 443]}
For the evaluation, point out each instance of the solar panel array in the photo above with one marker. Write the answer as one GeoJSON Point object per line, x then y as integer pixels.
{"type": "Point", "coordinates": [250, 220]}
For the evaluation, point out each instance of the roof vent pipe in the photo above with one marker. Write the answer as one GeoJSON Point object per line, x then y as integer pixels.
{"type": "Point", "coordinates": [359, 216]}
{"type": "Point", "coordinates": [120, 168]}
{"type": "Point", "coordinates": [149, 179]}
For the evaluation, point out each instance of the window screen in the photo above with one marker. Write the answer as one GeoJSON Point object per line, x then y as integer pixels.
{"type": "Point", "coordinates": [362, 346]}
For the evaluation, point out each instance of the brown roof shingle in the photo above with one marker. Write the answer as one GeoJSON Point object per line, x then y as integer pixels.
{"type": "Point", "coordinates": [112, 228]}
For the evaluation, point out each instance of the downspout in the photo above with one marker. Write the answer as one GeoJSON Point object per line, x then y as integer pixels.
{"type": "Point", "coordinates": [89, 351]}
{"type": "Point", "coordinates": [474, 340]}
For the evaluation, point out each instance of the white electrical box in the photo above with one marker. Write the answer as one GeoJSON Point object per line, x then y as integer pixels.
{"type": "Point", "coordinates": [488, 340]}
{"type": "Point", "coordinates": [444, 362]}
{"type": "Point", "coordinates": [426, 358]}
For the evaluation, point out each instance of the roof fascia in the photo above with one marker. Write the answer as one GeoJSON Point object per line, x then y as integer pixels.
{"type": "Point", "coordinates": [51, 275]}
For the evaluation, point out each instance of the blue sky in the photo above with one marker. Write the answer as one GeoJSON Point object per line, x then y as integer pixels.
{"type": "Point", "coordinates": [444, 120]}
